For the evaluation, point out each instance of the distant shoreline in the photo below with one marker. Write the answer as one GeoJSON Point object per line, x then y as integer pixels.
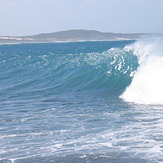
{"type": "Point", "coordinates": [70, 36]}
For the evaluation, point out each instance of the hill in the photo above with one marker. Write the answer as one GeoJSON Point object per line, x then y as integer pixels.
{"type": "Point", "coordinates": [70, 36]}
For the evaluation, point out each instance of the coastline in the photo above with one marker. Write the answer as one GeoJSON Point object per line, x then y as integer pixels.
{"type": "Point", "coordinates": [70, 36]}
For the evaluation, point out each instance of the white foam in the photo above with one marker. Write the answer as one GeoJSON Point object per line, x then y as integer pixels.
{"type": "Point", "coordinates": [147, 84]}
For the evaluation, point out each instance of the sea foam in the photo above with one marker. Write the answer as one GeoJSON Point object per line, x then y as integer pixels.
{"type": "Point", "coordinates": [147, 84]}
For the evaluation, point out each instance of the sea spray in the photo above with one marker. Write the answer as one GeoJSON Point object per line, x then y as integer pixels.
{"type": "Point", "coordinates": [147, 84]}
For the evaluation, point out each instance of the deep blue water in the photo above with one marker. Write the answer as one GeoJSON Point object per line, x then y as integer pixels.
{"type": "Point", "coordinates": [61, 102]}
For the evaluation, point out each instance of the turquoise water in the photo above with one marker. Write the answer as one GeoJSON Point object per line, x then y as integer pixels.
{"type": "Point", "coordinates": [80, 102]}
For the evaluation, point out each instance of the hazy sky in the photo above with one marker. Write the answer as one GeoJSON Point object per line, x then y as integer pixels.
{"type": "Point", "coordinates": [25, 17]}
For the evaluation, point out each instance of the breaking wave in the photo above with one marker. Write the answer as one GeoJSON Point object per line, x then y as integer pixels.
{"type": "Point", "coordinates": [132, 72]}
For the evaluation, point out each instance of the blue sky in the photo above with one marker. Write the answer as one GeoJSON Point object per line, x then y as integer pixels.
{"type": "Point", "coordinates": [26, 17]}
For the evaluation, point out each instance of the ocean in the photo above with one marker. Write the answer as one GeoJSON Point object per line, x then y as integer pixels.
{"type": "Point", "coordinates": [78, 102]}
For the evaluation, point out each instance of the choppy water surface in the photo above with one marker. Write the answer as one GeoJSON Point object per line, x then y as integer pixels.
{"type": "Point", "coordinates": [81, 102]}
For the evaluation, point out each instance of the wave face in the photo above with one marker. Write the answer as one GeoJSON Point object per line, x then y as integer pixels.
{"type": "Point", "coordinates": [147, 84]}
{"type": "Point", "coordinates": [37, 69]}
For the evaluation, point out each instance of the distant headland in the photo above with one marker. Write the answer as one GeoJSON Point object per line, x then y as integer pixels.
{"type": "Point", "coordinates": [70, 36]}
